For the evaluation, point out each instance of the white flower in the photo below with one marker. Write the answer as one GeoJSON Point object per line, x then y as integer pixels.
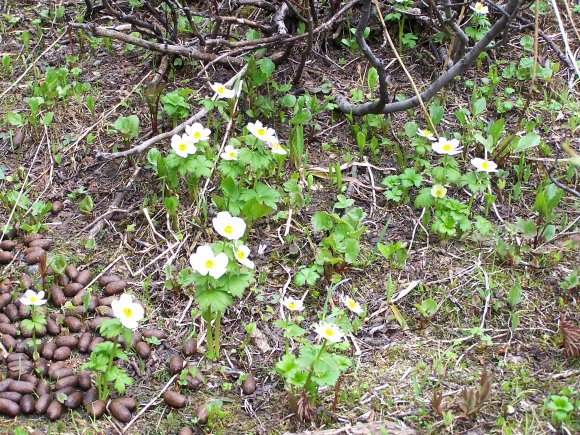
{"type": "Point", "coordinates": [198, 132]}
{"type": "Point", "coordinates": [292, 304]}
{"type": "Point", "coordinates": [351, 304]}
{"type": "Point", "coordinates": [203, 261]}
{"type": "Point", "coordinates": [127, 311]}
{"type": "Point", "coordinates": [183, 145]}
{"type": "Point", "coordinates": [446, 146]}
{"type": "Point", "coordinates": [276, 148]}
{"type": "Point", "coordinates": [230, 153]}
{"type": "Point", "coordinates": [329, 332]}
{"type": "Point", "coordinates": [426, 133]}
{"type": "Point", "coordinates": [479, 8]}
{"type": "Point", "coordinates": [222, 91]}
{"type": "Point", "coordinates": [438, 191]}
{"type": "Point", "coordinates": [262, 132]}
{"type": "Point", "coordinates": [242, 253]}
{"type": "Point", "coordinates": [32, 298]}
{"type": "Point", "coordinates": [228, 226]}
{"type": "Point", "coordinates": [484, 165]}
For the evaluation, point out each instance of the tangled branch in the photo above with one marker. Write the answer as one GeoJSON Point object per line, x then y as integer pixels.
{"type": "Point", "coordinates": [458, 68]}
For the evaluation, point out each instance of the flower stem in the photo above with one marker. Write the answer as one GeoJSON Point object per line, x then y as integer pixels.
{"type": "Point", "coordinates": [311, 372]}
{"type": "Point", "coordinates": [209, 336]}
{"type": "Point", "coordinates": [217, 328]}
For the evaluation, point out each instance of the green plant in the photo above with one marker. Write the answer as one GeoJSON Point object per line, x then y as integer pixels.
{"type": "Point", "coordinates": [561, 408]}
{"type": "Point", "coordinates": [175, 104]}
{"type": "Point", "coordinates": [395, 252]}
{"type": "Point", "coordinates": [127, 127]}
{"type": "Point", "coordinates": [341, 243]}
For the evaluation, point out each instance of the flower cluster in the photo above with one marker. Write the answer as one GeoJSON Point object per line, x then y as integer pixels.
{"type": "Point", "coordinates": [267, 135]}
{"type": "Point", "coordinates": [184, 145]}
{"type": "Point", "coordinates": [451, 147]}
{"type": "Point", "coordinates": [206, 262]}
{"type": "Point", "coordinates": [325, 330]}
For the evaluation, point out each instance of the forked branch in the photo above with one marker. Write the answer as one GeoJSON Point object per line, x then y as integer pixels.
{"type": "Point", "coordinates": [381, 105]}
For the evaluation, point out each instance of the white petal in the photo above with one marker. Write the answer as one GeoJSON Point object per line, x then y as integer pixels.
{"type": "Point", "coordinates": [137, 312]}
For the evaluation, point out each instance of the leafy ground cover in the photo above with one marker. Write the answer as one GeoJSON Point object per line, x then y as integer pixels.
{"type": "Point", "coordinates": [296, 268]}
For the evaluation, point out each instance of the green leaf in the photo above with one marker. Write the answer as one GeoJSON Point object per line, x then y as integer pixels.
{"type": "Point", "coordinates": [15, 119]}
{"type": "Point", "coordinates": [411, 128]}
{"type": "Point", "coordinates": [254, 210]}
{"type": "Point", "coordinates": [308, 275]}
{"type": "Point", "coordinates": [322, 221]}
{"type": "Point", "coordinates": [86, 206]}
{"type": "Point", "coordinates": [424, 199]}
{"type": "Point", "coordinates": [235, 283]}
{"type": "Point", "coordinates": [530, 140]}
{"type": "Point", "coordinates": [479, 106]}
{"type": "Point", "coordinates": [436, 112]}
{"type": "Point", "coordinates": [216, 301]}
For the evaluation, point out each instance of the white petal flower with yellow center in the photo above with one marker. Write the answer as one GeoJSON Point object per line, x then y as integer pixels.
{"type": "Point", "coordinates": [426, 133]}
{"type": "Point", "coordinates": [32, 298]}
{"type": "Point", "coordinates": [484, 165]}
{"type": "Point", "coordinates": [230, 153]}
{"type": "Point", "coordinates": [204, 262]}
{"type": "Point", "coordinates": [276, 148]}
{"type": "Point", "coordinates": [438, 191]}
{"type": "Point", "coordinates": [127, 311]}
{"type": "Point", "coordinates": [198, 132]}
{"type": "Point", "coordinates": [222, 91]}
{"type": "Point", "coordinates": [446, 146]}
{"type": "Point", "coordinates": [183, 145]}
{"type": "Point", "coordinates": [228, 226]}
{"type": "Point", "coordinates": [262, 132]}
{"type": "Point", "coordinates": [351, 304]}
{"type": "Point", "coordinates": [292, 304]}
{"type": "Point", "coordinates": [242, 253]}
{"type": "Point", "coordinates": [480, 8]}
{"type": "Point", "coordinates": [329, 332]}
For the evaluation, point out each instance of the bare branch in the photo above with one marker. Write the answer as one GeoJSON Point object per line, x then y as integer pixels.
{"type": "Point", "coordinates": [459, 68]}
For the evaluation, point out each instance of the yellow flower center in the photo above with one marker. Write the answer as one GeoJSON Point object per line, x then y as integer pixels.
{"type": "Point", "coordinates": [221, 90]}
{"type": "Point", "coordinates": [232, 155]}
{"type": "Point", "coordinates": [240, 255]}
{"type": "Point", "coordinates": [127, 312]}
{"type": "Point", "coordinates": [329, 332]}
{"type": "Point", "coordinates": [426, 132]}
{"type": "Point", "coordinates": [484, 165]}
{"type": "Point", "coordinates": [261, 132]}
{"type": "Point", "coordinates": [182, 147]}
{"type": "Point", "coordinates": [479, 6]}
{"type": "Point", "coordinates": [351, 303]}
{"type": "Point", "coordinates": [438, 192]}
{"type": "Point", "coordinates": [197, 135]}
{"type": "Point", "coordinates": [32, 299]}
{"type": "Point", "coordinates": [228, 229]}
{"type": "Point", "coordinates": [276, 146]}
{"type": "Point", "coordinates": [292, 305]}
{"type": "Point", "coordinates": [447, 147]}
{"type": "Point", "coordinates": [209, 264]}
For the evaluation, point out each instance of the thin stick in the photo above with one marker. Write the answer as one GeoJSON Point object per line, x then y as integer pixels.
{"type": "Point", "coordinates": [9, 88]}
{"type": "Point", "coordinates": [146, 407]}
{"type": "Point", "coordinates": [564, 37]}
{"type": "Point", "coordinates": [413, 85]}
